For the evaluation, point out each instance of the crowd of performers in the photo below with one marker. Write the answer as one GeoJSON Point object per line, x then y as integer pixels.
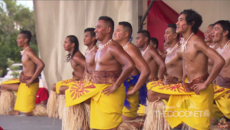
{"type": "Point", "coordinates": [115, 82]}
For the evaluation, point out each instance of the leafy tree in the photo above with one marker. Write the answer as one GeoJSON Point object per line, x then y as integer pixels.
{"type": "Point", "coordinates": [15, 73]}
{"type": "Point", "coordinates": [14, 18]}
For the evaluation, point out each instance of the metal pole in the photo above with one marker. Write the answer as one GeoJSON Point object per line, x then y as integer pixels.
{"type": "Point", "coordinates": [146, 13]}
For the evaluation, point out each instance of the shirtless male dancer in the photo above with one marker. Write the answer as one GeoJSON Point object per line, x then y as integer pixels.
{"type": "Point", "coordinates": [154, 43]}
{"type": "Point", "coordinates": [196, 94]}
{"type": "Point", "coordinates": [73, 103]}
{"type": "Point", "coordinates": [28, 84]}
{"type": "Point", "coordinates": [221, 35]}
{"type": "Point", "coordinates": [138, 77]}
{"type": "Point", "coordinates": [210, 43]}
{"type": "Point", "coordinates": [56, 102]}
{"type": "Point", "coordinates": [174, 70]}
{"type": "Point", "coordinates": [154, 61]}
{"type": "Point", "coordinates": [113, 66]}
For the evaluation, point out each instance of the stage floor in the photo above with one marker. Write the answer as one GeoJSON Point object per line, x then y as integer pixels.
{"type": "Point", "coordinates": [23, 122]}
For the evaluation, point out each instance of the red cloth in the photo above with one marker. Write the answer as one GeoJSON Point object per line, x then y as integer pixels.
{"type": "Point", "coordinates": [159, 16]}
{"type": "Point", "coordinates": [1, 128]}
{"type": "Point", "coordinates": [42, 95]}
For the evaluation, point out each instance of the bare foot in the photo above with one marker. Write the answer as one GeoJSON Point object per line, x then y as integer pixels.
{"type": "Point", "coordinates": [14, 112]}
{"type": "Point", "coordinates": [214, 121]}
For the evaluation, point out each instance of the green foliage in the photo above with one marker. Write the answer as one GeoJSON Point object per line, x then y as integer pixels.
{"type": "Point", "coordinates": [15, 73]}
{"type": "Point", "coordinates": [14, 18]}
{"type": "Point", "coordinates": [9, 62]}
{"type": "Point", "coordinates": [1, 73]}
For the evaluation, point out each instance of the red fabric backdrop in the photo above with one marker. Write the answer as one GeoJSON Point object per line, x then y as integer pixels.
{"type": "Point", "coordinates": [159, 16]}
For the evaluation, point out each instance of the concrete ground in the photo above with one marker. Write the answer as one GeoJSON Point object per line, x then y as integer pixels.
{"type": "Point", "coordinates": [23, 122]}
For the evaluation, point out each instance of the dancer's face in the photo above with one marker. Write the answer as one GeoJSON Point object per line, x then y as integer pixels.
{"type": "Point", "coordinates": [119, 34]}
{"type": "Point", "coordinates": [153, 44]}
{"type": "Point", "coordinates": [181, 24]}
{"type": "Point", "coordinates": [67, 44]}
{"type": "Point", "coordinates": [217, 33]}
{"type": "Point", "coordinates": [140, 40]}
{"type": "Point", "coordinates": [101, 30]}
{"type": "Point", "coordinates": [88, 39]}
{"type": "Point", "coordinates": [169, 35]}
{"type": "Point", "coordinates": [208, 34]}
{"type": "Point", "coordinates": [21, 40]}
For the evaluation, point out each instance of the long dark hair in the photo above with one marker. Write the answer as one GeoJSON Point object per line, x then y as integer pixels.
{"type": "Point", "coordinates": [73, 39]}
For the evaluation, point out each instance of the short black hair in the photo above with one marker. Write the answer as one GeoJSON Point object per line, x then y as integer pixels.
{"type": "Point", "coordinates": [145, 33]}
{"type": "Point", "coordinates": [92, 33]}
{"type": "Point", "coordinates": [91, 30]}
{"type": "Point", "coordinates": [109, 21]}
{"type": "Point", "coordinates": [27, 34]}
{"type": "Point", "coordinates": [173, 26]}
{"type": "Point", "coordinates": [154, 41]}
{"type": "Point", "coordinates": [225, 24]}
{"type": "Point", "coordinates": [127, 26]}
{"type": "Point", "coordinates": [192, 17]}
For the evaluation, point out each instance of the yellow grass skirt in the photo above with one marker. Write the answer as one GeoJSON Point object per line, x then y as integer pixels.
{"type": "Point", "coordinates": [216, 113]}
{"type": "Point", "coordinates": [134, 102]}
{"type": "Point", "coordinates": [11, 81]}
{"type": "Point", "coordinates": [80, 91]}
{"type": "Point", "coordinates": [106, 111]}
{"type": "Point", "coordinates": [221, 98]}
{"type": "Point", "coordinates": [26, 96]}
{"type": "Point", "coordinates": [141, 110]}
{"type": "Point", "coordinates": [194, 110]}
{"type": "Point", "coordinates": [63, 83]}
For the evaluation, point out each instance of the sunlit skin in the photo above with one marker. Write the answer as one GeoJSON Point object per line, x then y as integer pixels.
{"type": "Point", "coordinates": [154, 60]}
{"type": "Point", "coordinates": [155, 46]}
{"type": "Point", "coordinates": [164, 50]}
{"type": "Point", "coordinates": [173, 63]}
{"type": "Point", "coordinates": [208, 35]}
{"type": "Point", "coordinates": [77, 63]}
{"type": "Point", "coordinates": [141, 67]}
{"type": "Point", "coordinates": [32, 67]}
{"type": "Point", "coordinates": [196, 56]}
{"type": "Point", "coordinates": [112, 57]}
{"type": "Point", "coordinates": [152, 44]}
{"type": "Point", "coordinates": [220, 36]}
{"type": "Point", "coordinates": [152, 57]}
{"type": "Point", "coordinates": [209, 42]}
{"type": "Point", "coordinates": [89, 41]}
